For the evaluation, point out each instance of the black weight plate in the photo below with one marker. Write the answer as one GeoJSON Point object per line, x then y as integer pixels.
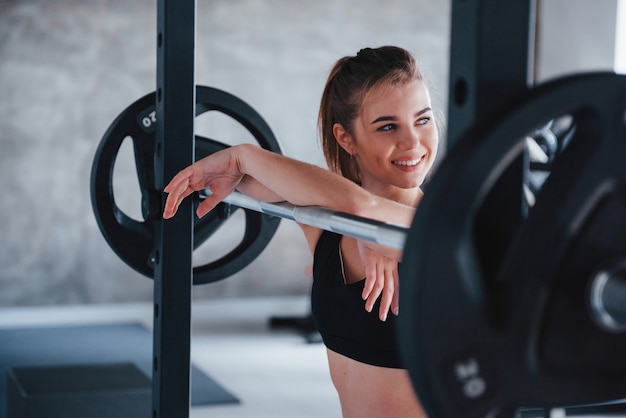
{"type": "Point", "coordinates": [478, 347]}
{"type": "Point", "coordinates": [133, 240]}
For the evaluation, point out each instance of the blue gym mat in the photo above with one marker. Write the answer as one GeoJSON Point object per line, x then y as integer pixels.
{"type": "Point", "coordinates": [93, 344]}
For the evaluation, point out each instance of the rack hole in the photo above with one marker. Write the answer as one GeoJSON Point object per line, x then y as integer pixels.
{"type": "Point", "coordinates": [460, 92]}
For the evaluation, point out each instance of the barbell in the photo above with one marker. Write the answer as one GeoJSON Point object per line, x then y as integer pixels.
{"type": "Point", "coordinates": [382, 233]}
{"type": "Point", "coordinates": [482, 344]}
{"type": "Point", "coordinates": [541, 326]}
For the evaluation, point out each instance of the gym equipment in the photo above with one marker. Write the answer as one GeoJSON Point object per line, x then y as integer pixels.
{"type": "Point", "coordinates": [497, 310]}
{"type": "Point", "coordinates": [530, 309]}
{"type": "Point", "coordinates": [390, 235]}
{"type": "Point", "coordinates": [173, 240]}
{"type": "Point", "coordinates": [483, 336]}
{"type": "Point", "coordinates": [133, 240]}
{"type": "Point", "coordinates": [608, 292]}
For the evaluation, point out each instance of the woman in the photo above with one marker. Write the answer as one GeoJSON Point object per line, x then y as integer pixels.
{"type": "Point", "coordinates": [380, 140]}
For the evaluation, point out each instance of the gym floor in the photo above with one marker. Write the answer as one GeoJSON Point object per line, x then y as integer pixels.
{"type": "Point", "coordinates": [274, 373]}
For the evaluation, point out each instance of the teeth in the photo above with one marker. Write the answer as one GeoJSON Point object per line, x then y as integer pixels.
{"type": "Point", "coordinates": [408, 163]}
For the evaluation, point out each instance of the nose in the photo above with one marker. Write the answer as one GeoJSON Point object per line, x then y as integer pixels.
{"type": "Point", "coordinates": [411, 140]}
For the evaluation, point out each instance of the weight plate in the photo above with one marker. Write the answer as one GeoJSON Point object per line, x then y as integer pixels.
{"type": "Point", "coordinates": [480, 344]}
{"type": "Point", "coordinates": [133, 240]}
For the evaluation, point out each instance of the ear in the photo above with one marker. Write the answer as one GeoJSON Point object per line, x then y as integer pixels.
{"type": "Point", "coordinates": [343, 138]}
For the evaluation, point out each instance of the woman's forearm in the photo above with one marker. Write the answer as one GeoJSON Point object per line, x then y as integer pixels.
{"type": "Point", "coordinates": [304, 184]}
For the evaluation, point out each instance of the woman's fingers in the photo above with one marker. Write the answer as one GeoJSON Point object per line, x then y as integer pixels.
{"type": "Point", "coordinates": [177, 189]}
{"type": "Point", "coordinates": [186, 182]}
{"type": "Point", "coordinates": [370, 280]}
{"type": "Point", "coordinates": [382, 278]}
{"type": "Point", "coordinates": [389, 291]}
{"type": "Point", "coordinates": [374, 280]}
{"type": "Point", "coordinates": [381, 281]}
{"type": "Point", "coordinates": [370, 260]}
{"type": "Point", "coordinates": [218, 171]}
{"type": "Point", "coordinates": [207, 205]}
{"type": "Point", "coordinates": [385, 288]}
{"type": "Point", "coordinates": [395, 303]}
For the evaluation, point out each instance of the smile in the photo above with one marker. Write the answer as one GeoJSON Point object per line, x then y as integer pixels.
{"type": "Point", "coordinates": [408, 163]}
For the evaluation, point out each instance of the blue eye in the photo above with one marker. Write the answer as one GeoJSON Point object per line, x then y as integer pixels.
{"type": "Point", "coordinates": [423, 121]}
{"type": "Point", "coordinates": [387, 128]}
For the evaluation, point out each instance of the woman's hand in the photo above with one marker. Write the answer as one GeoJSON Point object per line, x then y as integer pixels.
{"type": "Point", "coordinates": [381, 279]}
{"type": "Point", "coordinates": [219, 172]}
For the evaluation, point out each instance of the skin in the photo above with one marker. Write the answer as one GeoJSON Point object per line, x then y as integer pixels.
{"type": "Point", "coordinates": [394, 141]}
{"type": "Point", "coordinates": [394, 130]}
{"type": "Point", "coordinates": [367, 391]}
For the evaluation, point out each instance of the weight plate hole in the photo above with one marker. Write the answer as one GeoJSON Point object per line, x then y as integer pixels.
{"type": "Point", "coordinates": [218, 125]}
{"type": "Point", "coordinates": [227, 237]}
{"type": "Point", "coordinates": [126, 188]}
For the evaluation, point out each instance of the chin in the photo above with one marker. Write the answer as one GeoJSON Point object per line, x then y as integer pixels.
{"type": "Point", "coordinates": [410, 185]}
{"type": "Point", "coordinates": [415, 182]}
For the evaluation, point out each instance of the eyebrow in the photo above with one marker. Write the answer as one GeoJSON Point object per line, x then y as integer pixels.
{"type": "Point", "coordinates": [393, 118]}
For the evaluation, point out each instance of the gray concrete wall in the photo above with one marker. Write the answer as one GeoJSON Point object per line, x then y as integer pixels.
{"type": "Point", "coordinates": [68, 67]}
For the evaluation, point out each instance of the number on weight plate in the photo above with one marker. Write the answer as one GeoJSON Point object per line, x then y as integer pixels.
{"type": "Point", "coordinates": [468, 375]}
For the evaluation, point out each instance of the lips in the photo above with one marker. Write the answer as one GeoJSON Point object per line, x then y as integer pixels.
{"type": "Point", "coordinates": [407, 163]}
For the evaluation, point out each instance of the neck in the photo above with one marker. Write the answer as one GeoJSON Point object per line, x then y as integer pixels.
{"type": "Point", "coordinates": [409, 197]}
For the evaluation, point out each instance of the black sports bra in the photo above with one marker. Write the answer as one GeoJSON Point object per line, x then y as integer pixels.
{"type": "Point", "coordinates": [340, 315]}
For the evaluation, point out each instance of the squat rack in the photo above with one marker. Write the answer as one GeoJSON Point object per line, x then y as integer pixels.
{"type": "Point", "coordinates": [490, 64]}
{"type": "Point", "coordinates": [173, 277]}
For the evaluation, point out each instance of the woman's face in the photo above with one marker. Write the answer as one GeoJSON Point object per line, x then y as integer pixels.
{"type": "Point", "coordinates": [395, 138]}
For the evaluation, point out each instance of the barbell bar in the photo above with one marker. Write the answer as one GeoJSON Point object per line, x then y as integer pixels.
{"type": "Point", "coordinates": [607, 295]}
{"type": "Point", "coordinates": [608, 288]}
{"type": "Point", "coordinates": [383, 233]}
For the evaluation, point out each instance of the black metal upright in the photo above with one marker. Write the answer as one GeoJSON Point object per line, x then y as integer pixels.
{"type": "Point", "coordinates": [491, 60]}
{"type": "Point", "coordinates": [175, 107]}
{"type": "Point", "coordinates": [491, 65]}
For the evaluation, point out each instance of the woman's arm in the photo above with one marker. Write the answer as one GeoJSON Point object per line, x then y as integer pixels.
{"type": "Point", "coordinates": [305, 184]}
{"type": "Point", "coordinates": [277, 177]}
{"type": "Point", "coordinates": [268, 176]}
